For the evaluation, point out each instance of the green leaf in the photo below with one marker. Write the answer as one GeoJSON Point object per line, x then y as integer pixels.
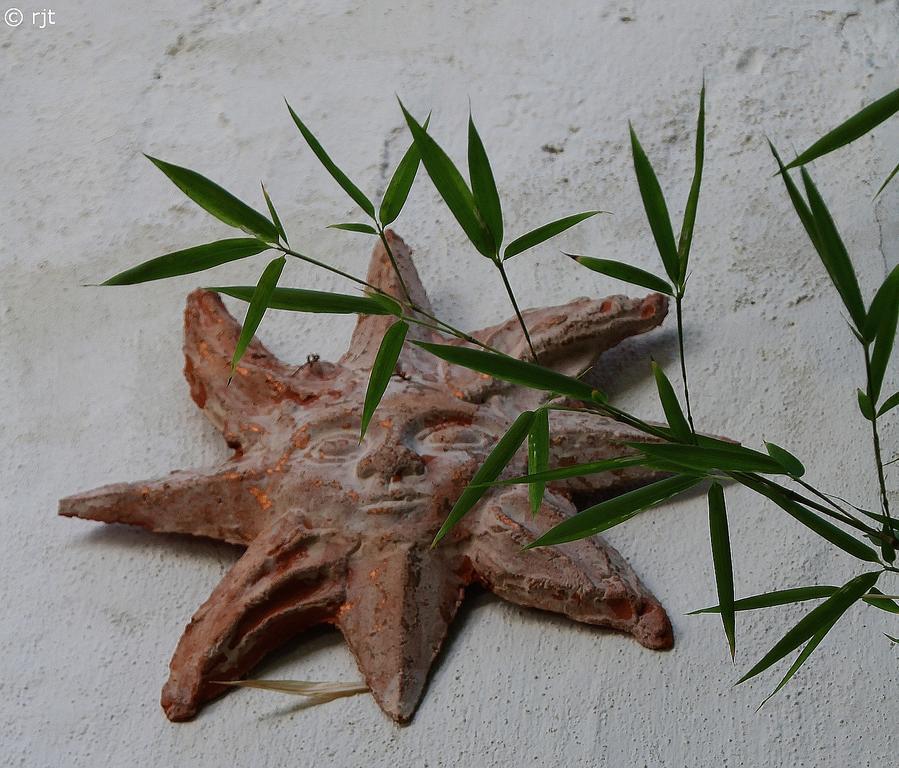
{"type": "Point", "coordinates": [686, 231]}
{"type": "Point", "coordinates": [880, 358]}
{"type": "Point", "coordinates": [538, 457]}
{"type": "Point", "coordinates": [887, 180]}
{"type": "Point", "coordinates": [516, 371]}
{"type": "Point", "coordinates": [673, 413]}
{"type": "Point", "coordinates": [190, 260]}
{"type": "Point", "coordinates": [483, 185]}
{"type": "Point", "coordinates": [365, 229]}
{"type": "Point", "coordinates": [857, 125]}
{"type": "Point", "coordinates": [339, 176]}
{"type": "Point", "coordinates": [390, 305]}
{"type": "Point", "coordinates": [541, 234]}
{"type": "Point", "coordinates": [656, 209]}
{"type": "Point", "coordinates": [495, 463]}
{"type": "Point", "coordinates": [799, 204]}
{"type": "Point", "coordinates": [882, 320]}
{"type": "Point", "coordinates": [865, 405]}
{"type": "Point", "coordinates": [882, 305]}
{"type": "Point", "coordinates": [382, 370]}
{"type": "Point", "coordinates": [611, 512]}
{"type": "Point", "coordinates": [891, 638]}
{"type": "Point", "coordinates": [452, 188]}
{"type": "Point", "coordinates": [708, 459]}
{"type": "Point", "coordinates": [258, 304]}
{"type": "Point", "coordinates": [722, 445]}
{"type": "Point", "coordinates": [787, 460]}
{"type": "Point", "coordinates": [397, 191]}
{"type": "Point", "coordinates": [826, 530]}
{"type": "Point", "coordinates": [891, 402]}
{"type": "Point", "coordinates": [824, 615]}
{"type": "Point", "coordinates": [215, 200]}
{"type": "Point", "coordinates": [771, 599]}
{"type": "Point", "coordinates": [721, 558]}
{"type": "Point", "coordinates": [833, 254]}
{"type": "Point", "coordinates": [885, 604]}
{"type": "Point", "coordinates": [574, 470]}
{"type": "Point", "coordinates": [625, 272]}
{"type": "Point", "coordinates": [302, 300]}
{"type": "Point", "coordinates": [874, 516]}
{"type": "Point", "coordinates": [807, 651]}
{"type": "Point", "coordinates": [276, 220]}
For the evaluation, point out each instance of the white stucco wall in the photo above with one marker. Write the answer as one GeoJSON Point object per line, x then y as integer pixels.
{"type": "Point", "coordinates": [92, 390]}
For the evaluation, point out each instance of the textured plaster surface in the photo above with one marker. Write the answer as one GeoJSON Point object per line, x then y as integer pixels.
{"type": "Point", "coordinates": [92, 389]}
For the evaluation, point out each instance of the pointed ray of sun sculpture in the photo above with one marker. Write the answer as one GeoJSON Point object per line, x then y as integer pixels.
{"type": "Point", "coordinates": [339, 532]}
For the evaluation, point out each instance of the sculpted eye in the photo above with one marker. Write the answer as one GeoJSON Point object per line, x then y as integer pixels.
{"type": "Point", "coordinates": [453, 437]}
{"type": "Point", "coordinates": [334, 447]}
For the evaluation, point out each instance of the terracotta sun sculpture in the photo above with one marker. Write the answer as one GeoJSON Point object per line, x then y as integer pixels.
{"type": "Point", "coordinates": [339, 532]}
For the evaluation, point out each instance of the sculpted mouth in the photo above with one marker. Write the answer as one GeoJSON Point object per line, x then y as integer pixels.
{"type": "Point", "coordinates": [396, 503]}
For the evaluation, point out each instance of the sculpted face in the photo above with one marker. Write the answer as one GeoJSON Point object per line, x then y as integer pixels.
{"type": "Point", "coordinates": [339, 531]}
{"type": "Point", "coordinates": [417, 454]}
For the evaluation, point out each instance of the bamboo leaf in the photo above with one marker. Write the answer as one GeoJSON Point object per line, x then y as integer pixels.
{"type": "Point", "coordinates": [708, 459]}
{"type": "Point", "coordinates": [881, 305]}
{"type": "Point", "coordinates": [259, 302]}
{"type": "Point", "coordinates": [887, 180]}
{"type": "Point", "coordinates": [382, 370]}
{"type": "Point", "coordinates": [350, 226]}
{"type": "Point", "coordinates": [880, 325]}
{"type": "Point", "coordinates": [390, 305]}
{"type": "Point", "coordinates": [400, 184]}
{"type": "Point", "coordinates": [574, 470]}
{"type": "Point", "coordinates": [707, 441]}
{"type": "Point", "coordinates": [302, 300]}
{"type": "Point", "coordinates": [834, 255]}
{"type": "Point", "coordinates": [828, 613]}
{"type": "Point", "coordinates": [541, 234]}
{"type": "Point", "coordinates": [826, 530]}
{"type": "Point", "coordinates": [276, 220]}
{"type": "Point", "coordinates": [721, 558]}
{"type": "Point", "coordinates": [452, 188]}
{"type": "Point", "coordinates": [787, 460]}
{"type": "Point", "coordinates": [673, 413]}
{"type": "Point", "coordinates": [857, 125]}
{"type": "Point", "coordinates": [799, 204]}
{"type": "Point", "coordinates": [190, 260]}
{"type": "Point", "coordinates": [891, 638]}
{"type": "Point", "coordinates": [217, 201]}
{"type": "Point", "coordinates": [771, 599]}
{"type": "Point", "coordinates": [538, 457]}
{"type": "Point", "coordinates": [483, 185]}
{"type": "Point", "coordinates": [339, 176]}
{"type": "Point", "coordinates": [625, 272]}
{"type": "Point", "coordinates": [656, 209]}
{"type": "Point", "coordinates": [874, 516]}
{"type": "Point", "coordinates": [880, 357]}
{"type": "Point", "coordinates": [516, 371]}
{"type": "Point", "coordinates": [611, 512]}
{"type": "Point", "coordinates": [686, 231]}
{"type": "Point", "coordinates": [807, 651]}
{"type": "Point", "coordinates": [865, 405]}
{"type": "Point", "coordinates": [891, 402]}
{"type": "Point", "coordinates": [496, 462]}
{"type": "Point", "coordinates": [884, 603]}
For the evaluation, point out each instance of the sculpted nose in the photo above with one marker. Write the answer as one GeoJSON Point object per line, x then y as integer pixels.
{"type": "Point", "coordinates": [390, 461]}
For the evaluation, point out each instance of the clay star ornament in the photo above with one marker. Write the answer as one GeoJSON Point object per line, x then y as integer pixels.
{"type": "Point", "coordinates": [339, 532]}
